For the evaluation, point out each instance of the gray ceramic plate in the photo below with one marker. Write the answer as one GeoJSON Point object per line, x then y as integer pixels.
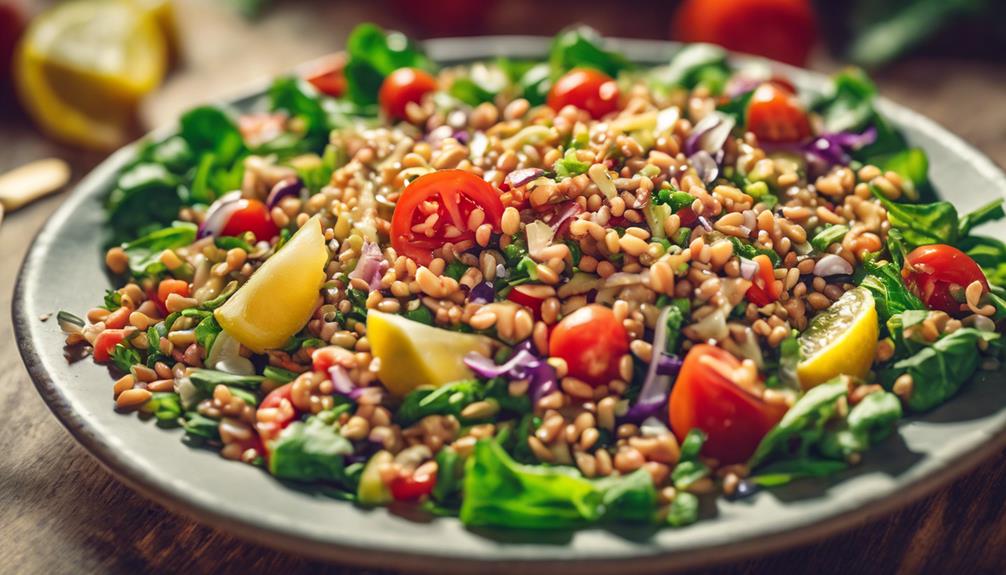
{"type": "Point", "coordinates": [63, 271]}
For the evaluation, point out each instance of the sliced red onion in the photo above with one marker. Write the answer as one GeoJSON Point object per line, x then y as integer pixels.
{"type": "Point", "coordinates": [705, 223]}
{"type": "Point", "coordinates": [832, 265]}
{"type": "Point", "coordinates": [710, 134]}
{"type": "Point", "coordinates": [482, 293]}
{"type": "Point", "coordinates": [371, 266]}
{"type": "Point", "coordinates": [518, 178]}
{"type": "Point", "coordinates": [341, 382]}
{"type": "Point", "coordinates": [748, 268]}
{"type": "Point", "coordinates": [461, 136]}
{"type": "Point", "coordinates": [827, 150]}
{"type": "Point", "coordinates": [219, 214]}
{"type": "Point", "coordinates": [656, 387]}
{"type": "Point", "coordinates": [284, 188]}
{"type": "Point", "coordinates": [705, 165]}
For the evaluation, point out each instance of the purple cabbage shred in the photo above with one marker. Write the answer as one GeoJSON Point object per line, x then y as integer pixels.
{"type": "Point", "coordinates": [371, 266]}
{"type": "Point", "coordinates": [523, 364]}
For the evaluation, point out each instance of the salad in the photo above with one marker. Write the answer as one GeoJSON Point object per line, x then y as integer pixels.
{"type": "Point", "coordinates": [541, 294]}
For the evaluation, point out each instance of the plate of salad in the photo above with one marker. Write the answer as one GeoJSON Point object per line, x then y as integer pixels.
{"type": "Point", "coordinates": [578, 303]}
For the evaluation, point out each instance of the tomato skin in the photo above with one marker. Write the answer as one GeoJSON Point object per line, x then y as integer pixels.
{"type": "Point", "coordinates": [171, 286]}
{"type": "Point", "coordinates": [251, 216]}
{"type": "Point", "coordinates": [527, 300]}
{"type": "Point", "coordinates": [328, 77]}
{"type": "Point", "coordinates": [402, 86]}
{"type": "Point", "coordinates": [783, 30]}
{"type": "Point", "coordinates": [412, 487]}
{"type": "Point", "coordinates": [456, 194]}
{"type": "Point", "coordinates": [592, 341]}
{"type": "Point", "coordinates": [269, 430]}
{"type": "Point", "coordinates": [587, 89]}
{"type": "Point", "coordinates": [936, 271]}
{"type": "Point", "coordinates": [764, 289]}
{"type": "Point", "coordinates": [734, 420]}
{"type": "Point", "coordinates": [106, 342]}
{"type": "Point", "coordinates": [776, 115]}
{"type": "Point", "coordinates": [687, 216]}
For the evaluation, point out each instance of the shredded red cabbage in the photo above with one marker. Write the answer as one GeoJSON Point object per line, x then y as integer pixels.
{"type": "Point", "coordinates": [371, 266]}
{"type": "Point", "coordinates": [482, 293]}
{"type": "Point", "coordinates": [524, 364]}
{"type": "Point", "coordinates": [710, 134]}
{"type": "Point", "coordinates": [827, 150]}
{"type": "Point", "coordinates": [652, 400]}
{"type": "Point", "coordinates": [518, 178]}
{"type": "Point", "coordinates": [342, 384]}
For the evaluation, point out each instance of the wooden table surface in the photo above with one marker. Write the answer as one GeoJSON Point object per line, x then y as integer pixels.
{"type": "Point", "coordinates": [60, 512]}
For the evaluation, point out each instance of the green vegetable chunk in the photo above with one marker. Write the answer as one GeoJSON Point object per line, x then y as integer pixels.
{"type": "Point", "coordinates": [311, 450]}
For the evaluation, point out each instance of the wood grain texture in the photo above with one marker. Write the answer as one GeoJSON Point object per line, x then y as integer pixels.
{"type": "Point", "coordinates": [60, 512]}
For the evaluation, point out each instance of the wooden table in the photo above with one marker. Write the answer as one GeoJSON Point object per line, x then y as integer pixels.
{"type": "Point", "coordinates": [60, 512]}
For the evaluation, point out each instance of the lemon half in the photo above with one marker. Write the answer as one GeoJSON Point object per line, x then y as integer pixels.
{"type": "Point", "coordinates": [840, 341]}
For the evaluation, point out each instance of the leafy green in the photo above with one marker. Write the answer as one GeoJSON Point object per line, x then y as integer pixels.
{"type": "Point", "coordinates": [827, 236]}
{"type": "Point", "coordinates": [207, 331]}
{"type": "Point", "coordinates": [450, 474]}
{"type": "Point", "coordinates": [278, 374]}
{"type": "Point", "coordinates": [748, 250]}
{"type": "Point", "coordinates": [421, 314]}
{"type": "Point", "coordinates": [870, 421]}
{"type": "Point", "coordinates": [144, 253]}
{"type": "Point", "coordinates": [990, 212]}
{"type": "Point", "coordinates": [173, 153]}
{"type": "Point", "coordinates": [455, 270]}
{"type": "Point", "coordinates": [535, 83]}
{"type": "Point", "coordinates": [848, 106]}
{"type": "Point", "coordinates": [690, 468]}
{"type": "Point", "coordinates": [500, 492]}
{"type": "Point", "coordinates": [883, 279]}
{"type": "Point", "coordinates": [569, 165]}
{"type": "Point", "coordinates": [922, 224]}
{"type": "Point", "coordinates": [125, 357]}
{"type": "Point", "coordinates": [675, 199]}
{"type": "Point", "coordinates": [311, 450]}
{"type": "Point", "coordinates": [803, 426]}
{"type": "Point", "coordinates": [201, 427]}
{"type": "Point", "coordinates": [684, 510]}
{"type": "Point", "coordinates": [373, 54]}
{"type": "Point", "coordinates": [939, 370]}
{"type": "Point", "coordinates": [113, 300]}
{"type": "Point", "coordinates": [448, 399]}
{"type": "Point", "coordinates": [911, 164]}
{"type": "Point", "coordinates": [989, 253]}
{"type": "Point", "coordinates": [212, 129]}
{"type": "Point", "coordinates": [211, 378]}
{"type": "Point", "coordinates": [783, 472]}
{"type": "Point", "coordinates": [580, 47]}
{"type": "Point", "coordinates": [696, 65]}
{"type": "Point", "coordinates": [166, 407]}
{"type": "Point", "coordinates": [145, 199]}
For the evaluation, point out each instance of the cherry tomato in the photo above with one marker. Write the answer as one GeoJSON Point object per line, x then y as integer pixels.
{"type": "Point", "coordinates": [939, 274]}
{"type": "Point", "coordinates": [252, 216]}
{"type": "Point", "coordinates": [171, 286]}
{"type": "Point", "coordinates": [413, 486]}
{"type": "Point", "coordinates": [530, 301]}
{"type": "Point", "coordinates": [285, 413]}
{"type": "Point", "coordinates": [402, 86]}
{"type": "Point", "coordinates": [775, 115]}
{"type": "Point", "coordinates": [764, 289]}
{"type": "Point", "coordinates": [451, 196]}
{"type": "Point", "coordinates": [687, 217]}
{"type": "Point", "coordinates": [704, 396]}
{"type": "Point", "coordinates": [592, 342]}
{"type": "Point", "coordinates": [118, 318]}
{"type": "Point", "coordinates": [327, 76]}
{"type": "Point", "coordinates": [106, 342]}
{"type": "Point", "coordinates": [783, 30]}
{"type": "Point", "coordinates": [587, 89]}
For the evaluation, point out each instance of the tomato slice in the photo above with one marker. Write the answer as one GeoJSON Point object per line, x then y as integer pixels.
{"type": "Point", "coordinates": [171, 286]}
{"type": "Point", "coordinates": [763, 290]}
{"type": "Point", "coordinates": [704, 397]}
{"type": "Point", "coordinates": [402, 86]}
{"type": "Point", "coordinates": [434, 210]}
{"type": "Point", "coordinates": [776, 115]}
{"type": "Point", "coordinates": [587, 89]}
{"type": "Point", "coordinates": [592, 341]}
{"type": "Point", "coordinates": [413, 486]}
{"type": "Point", "coordinates": [251, 216]}
{"type": "Point", "coordinates": [521, 297]}
{"type": "Point", "coordinates": [328, 76]}
{"type": "Point", "coordinates": [106, 342]}
{"type": "Point", "coordinates": [939, 274]}
{"type": "Point", "coordinates": [269, 430]}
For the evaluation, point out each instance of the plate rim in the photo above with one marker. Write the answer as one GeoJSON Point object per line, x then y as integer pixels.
{"type": "Point", "coordinates": [474, 48]}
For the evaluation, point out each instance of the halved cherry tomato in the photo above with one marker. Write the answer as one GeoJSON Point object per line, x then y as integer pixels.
{"type": "Point", "coordinates": [412, 487]}
{"type": "Point", "coordinates": [530, 301]}
{"type": "Point", "coordinates": [327, 76]}
{"type": "Point", "coordinates": [106, 342]}
{"type": "Point", "coordinates": [279, 399]}
{"type": "Point", "coordinates": [776, 115]}
{"type": "Point", "coordinates": [402, 86]}
{"type": "Point", "coordinates": [587, 89]}
{"type": "Point", "coordinates": [687, 217]}
{"type": "Point", "coordinates": [592, 342]}
{"type": "Point", "coordinates": [783, 30]}
{"type": "Point", "coordinates": [763, 290]}
{"type": "Point", "coordinates": [251, 216]}
{"type": "Point", "coordinates": [440, 203]}
{"type": "Point", "coordinates": [705, 397]}
{"type": "Point", "coordinates": [118, 318]}
{"type": "Point", "coordinates": [939, 274]}
{"type": "Point", "coordinates": [170, 286]}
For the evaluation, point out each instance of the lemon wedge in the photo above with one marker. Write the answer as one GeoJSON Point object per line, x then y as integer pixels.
{"type": "Point", "coordinates": [413, 354]}
{"type": "Point", "coordinates": [82, 68]}
{"type": "Point", "coordinates": [840, 341]}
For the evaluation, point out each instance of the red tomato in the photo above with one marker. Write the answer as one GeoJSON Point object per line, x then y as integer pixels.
{"type": "Point", "coordinates": [775, 115]}
{"type": "Point", "coordinates": [704, 397]}
{"type": "Point", "coordinates": [451, 196]}
{"type": "Point", "coordinates": [532, 302]}
{"type": "Point", "coordinates": [939, 274]}
{"type": "Point", "coordinates": [106, 342]}
{"type": "Point", "coordinates": [687, 216]}
{"type": "Point", "coordinates": [277, 398]}
{"type": "Point", "coordinates": [587, 89]}
{"type": "Point", "coordinates": [118, 318]}
{"type": "Point", "coordinates": [327, 76]}
{"type": "Point", "coordinates": [592, 342]}
{"type": "Point", "coordinates": [764, 289]}
{"type": "Point", "coordinates": [325, 357]}
{"type": "Point", "coordinates": [412, 487]}
{"type": "Point", "coordinates": [783, 30]}
{"type": "Point", "coordinates": [168, 287]}
{"type": "Point", "coordinates": [252, 216]}
{"type": "Point", "coordinates": [402, 86]}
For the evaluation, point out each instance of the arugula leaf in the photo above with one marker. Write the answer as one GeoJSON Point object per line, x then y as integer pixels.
{"type": "Point", "coordinates": [921, 224]}
{"type": "Point", "coordinates": [144, 253]}
{"type": "Point", "coordinates": [990, 212]}
{"type": "Point", "coordinates": [939, 370]}
{"type": "Point", "coordinates": [373, 54]}
{"type": "Point", "coordinates": [580, 47]}
{"type": "Point", "coordinates": [311, 450]}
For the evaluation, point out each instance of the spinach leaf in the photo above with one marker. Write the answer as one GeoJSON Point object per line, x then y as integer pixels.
{"type": "Point", "coordinates": [690, 468]}
{"type": "Point", "coordinates": [628, 498]}
{"type": "Point", "coordinates": [580, 47]}
{"type": "Point", "coordinates": [922, 224]}
{"type": "Point", "coordinates": [871, 420]}
{"type": "Point", "coordinates": [891, 296]}
{"type": "Point", "coordinates": [311, 450]}
{"type": "Point", "coordinates": [145, 199]}
{"type": "Point", "coordinates": [535, 83]}
{"type": "Point", "coordinates": [803, 426]}
{"type": "Point", "coordinates": [696, 65]}
{"type": "Point", "coordinates": [450, 474]}
{"type": "Point", "coordinates": [213, 129]}
{"type": "Point", "coordinates": [990, 212]}
{"type": "Point", "coordinates": [989, 253]}
{"type": "Point", "coordinates": [848, 106]}
{"type": "Point", "coordinates": [144, 253]}
{"type": "Point", "coordinates": [827, 236]}
{"type": "Point", "coordinates": [684, 510]}
{"type": "Point", "coordinates": [373, 54]}
{"type": "Point", "coordinates": [448, 399]}
{"type": "Point", "coordinates": [911, 164]}
{"type": "Point", "coordinates": [207, 331]}
{"type": "Point", "coordinates": [939, 370]}
{"type": "Point", "coordinates": [173, 153]}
